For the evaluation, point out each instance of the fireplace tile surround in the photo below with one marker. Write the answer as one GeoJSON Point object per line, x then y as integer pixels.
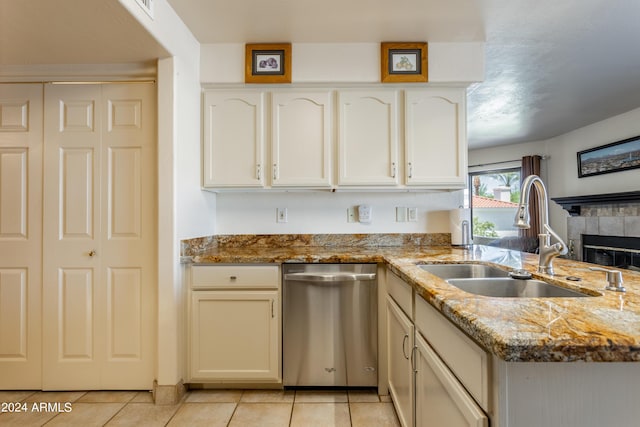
{"type": "Point", "coordinates": [616, 219]}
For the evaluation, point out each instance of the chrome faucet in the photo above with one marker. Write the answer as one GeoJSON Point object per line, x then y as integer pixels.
{"type": "Point", "coordinates": [547, 251]}
{"type": "Point", "coordinates": [614, 279]}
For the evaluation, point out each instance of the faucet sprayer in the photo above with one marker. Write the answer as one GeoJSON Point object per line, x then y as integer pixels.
{"type": "Point", "coordinates": [523, 220]}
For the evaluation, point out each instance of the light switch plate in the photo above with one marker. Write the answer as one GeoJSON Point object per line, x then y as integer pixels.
{"type": "Point", "coordinates": [351, 214]}
{"type": "Point", "coordinates": [401, 214]}
{"type": "Point", "coordinates": [281, 215]}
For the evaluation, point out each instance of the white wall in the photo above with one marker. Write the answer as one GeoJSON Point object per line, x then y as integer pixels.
{"type": "Point", "coordinates": [184, 211]}
{"type": "Point", "coordinates": [563, 168]}
{"type": "Point", "coordinates": [194, 209]}
{"type": "Point", "coordinates": [345, 62]}
{"type": "Point", "coordinates": [325, 212]}
{"type": "Point", "coordinates": [560, 171]}
{"type": "Point", "coordinates": [505, 156]}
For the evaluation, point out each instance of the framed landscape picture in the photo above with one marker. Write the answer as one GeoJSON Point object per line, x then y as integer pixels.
{"type": "Point", "coordinates": [403, 62]}
{"type": "Point", "coordinates": [614, 157]}
{"type": "Point", "coordinates": [267, 63]}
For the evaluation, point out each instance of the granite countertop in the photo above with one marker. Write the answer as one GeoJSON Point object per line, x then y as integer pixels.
{"type": "Point", "coordinates": [603, 328]}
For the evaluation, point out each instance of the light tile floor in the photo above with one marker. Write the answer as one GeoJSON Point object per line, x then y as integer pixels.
{"type": "Point", "coordinates": [232, 408]}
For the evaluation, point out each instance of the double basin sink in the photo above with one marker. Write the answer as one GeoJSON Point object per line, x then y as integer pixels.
{"type": "Point", "coordinates": [486, 280]}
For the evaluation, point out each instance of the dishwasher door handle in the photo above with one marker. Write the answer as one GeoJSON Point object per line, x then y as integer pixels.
{"type": "Point", "coordinates": [329, 277]}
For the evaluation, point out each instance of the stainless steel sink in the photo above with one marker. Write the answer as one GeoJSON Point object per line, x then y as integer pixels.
{"type": "Point", "coordinates": [506, 287]}
{"type": "Point", "coordinates": [455, 271]}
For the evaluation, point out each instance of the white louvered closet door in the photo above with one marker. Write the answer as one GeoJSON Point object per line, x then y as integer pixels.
{"type": "Point", "coordinates": [20, 235]}
{"type": "Point", "coordinates": [100, 209]}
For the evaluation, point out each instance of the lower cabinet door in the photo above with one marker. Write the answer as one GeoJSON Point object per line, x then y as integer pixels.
{"type": "Point", "coordinates": [440, 398]}
{"type": "Point", "coordinates": [235, 336]}
{"type": "Point", "coordinates": [400, 345]}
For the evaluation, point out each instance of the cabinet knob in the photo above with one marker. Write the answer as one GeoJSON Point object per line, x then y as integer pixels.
{"type": "Point", "coordinates": [232, 278]}
{"type": "Point", "coordinates": [92, 253]}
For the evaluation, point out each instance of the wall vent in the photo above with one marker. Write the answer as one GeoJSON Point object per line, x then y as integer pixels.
{"type": "Point", "coordinates": [147, 6]}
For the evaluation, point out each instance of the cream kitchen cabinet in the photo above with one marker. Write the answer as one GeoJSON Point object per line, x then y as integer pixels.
{"type": "Point", "coordinates": [322, 137]}
{"type": "Point", "coordinates": [368, 137]}
{"type": "Point", "coordinates": [400, 336]}
{"type": "Point", "coordinates": [435, 138]}
{"type": "Point", "coordinates": [234, 324]}
{"type": "Point", "coordinates": [301, 129]}
{"type": "Point", "coordinates": [441, 399]}
{"type": "Point", "coordinates": [437, 376]}
{"type": "Point", "coordinates": [234, 139]}
{"type": "Point", "coordinates": [400, 370]}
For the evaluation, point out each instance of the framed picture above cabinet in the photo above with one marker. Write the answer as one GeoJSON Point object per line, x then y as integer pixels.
{"type": "Point", "coordinates": [403, 62]}
{"type": "Point", "coordinates": [267, 63]}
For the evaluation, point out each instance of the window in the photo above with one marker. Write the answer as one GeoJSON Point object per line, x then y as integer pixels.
{"type": "Point", "coordinates": [493, 198]}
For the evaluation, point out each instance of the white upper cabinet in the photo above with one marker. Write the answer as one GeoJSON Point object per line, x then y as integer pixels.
{"type": "Point", "coordinates": [234, 139]}
{"type": "Point", "coordinates": [335, 138]}
{"type": "Point", "coordinates": [435, 138]}
{"type": "Point", "coordinates": [301, 139]}
{"type": "Point", "coordinates": [368, 137]}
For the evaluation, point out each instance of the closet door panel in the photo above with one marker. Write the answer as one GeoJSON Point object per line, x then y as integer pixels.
{"type": "Point", "coordinates": [20, 236]}
{"type": "Point", "coordinates": [71, 267]}
{"type": "Point", "coordinates": [100, 245]}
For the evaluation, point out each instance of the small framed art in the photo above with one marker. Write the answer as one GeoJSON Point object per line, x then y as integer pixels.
{"type": "Point", "coordinates": [267, 63]}
{"type": "Point", "coordinates": [403, 62]}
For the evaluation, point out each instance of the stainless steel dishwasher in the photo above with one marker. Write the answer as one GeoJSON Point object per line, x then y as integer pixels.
{"type": "Point", "coordinates": [330, 325]}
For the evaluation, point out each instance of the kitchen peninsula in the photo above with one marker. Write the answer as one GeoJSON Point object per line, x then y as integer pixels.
{"type": "Point", "coordinates": [598, 334]}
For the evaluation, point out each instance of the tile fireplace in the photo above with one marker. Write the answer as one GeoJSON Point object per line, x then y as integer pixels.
{"type": "Point", "coordinates": [604, 228]}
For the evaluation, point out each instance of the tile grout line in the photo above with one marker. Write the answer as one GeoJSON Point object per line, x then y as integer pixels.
{"type": "Point", "coordinates": [350, 400]}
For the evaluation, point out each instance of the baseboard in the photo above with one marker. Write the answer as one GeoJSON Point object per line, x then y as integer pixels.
{"type": "Point", "coordinates": [168, 394]}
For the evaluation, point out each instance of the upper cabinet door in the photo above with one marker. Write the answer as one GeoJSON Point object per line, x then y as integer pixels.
{"type": "Point", "coordinates": [234, 139]}
{"type": "Point", "coordinates": [301, 139]}
{"type": "Point", "coordinates": [436, 140]}
{"type": "Point", "coordinates": [368, 138]}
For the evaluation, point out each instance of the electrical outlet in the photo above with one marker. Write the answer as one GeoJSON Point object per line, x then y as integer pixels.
{"type": "Point", "coordinates": [365, 213]}
{"type": "Point", "coordinates": [412, 214]}
{"type": "Point", "coordinates": [281, 215]}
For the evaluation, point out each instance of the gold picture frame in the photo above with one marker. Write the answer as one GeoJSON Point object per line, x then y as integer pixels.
{"type": "Point", "coordinates": [267, 63]}
{"type": "Point", "coordinates": [404, 62]}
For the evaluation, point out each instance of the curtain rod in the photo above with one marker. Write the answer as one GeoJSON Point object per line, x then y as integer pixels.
{"type": "Point", "coordinates": [505, 161]}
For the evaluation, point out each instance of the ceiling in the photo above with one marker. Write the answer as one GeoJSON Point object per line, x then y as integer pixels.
{"type": "Point", "coordinates": [34, 32]}
{"type": "Point", "coordinates": [551, 66]}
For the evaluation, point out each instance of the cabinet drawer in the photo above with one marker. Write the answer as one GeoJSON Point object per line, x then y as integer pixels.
{"type": "Point", "coordinates": [235, 276]}
{"type": "Point", "coordinates": [465, 359]}
{"type": "Point", "coordinates": [401, 292]}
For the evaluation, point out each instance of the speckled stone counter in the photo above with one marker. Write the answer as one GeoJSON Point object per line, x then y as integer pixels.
{"type": "Point", "coordinates": [601, 328]}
